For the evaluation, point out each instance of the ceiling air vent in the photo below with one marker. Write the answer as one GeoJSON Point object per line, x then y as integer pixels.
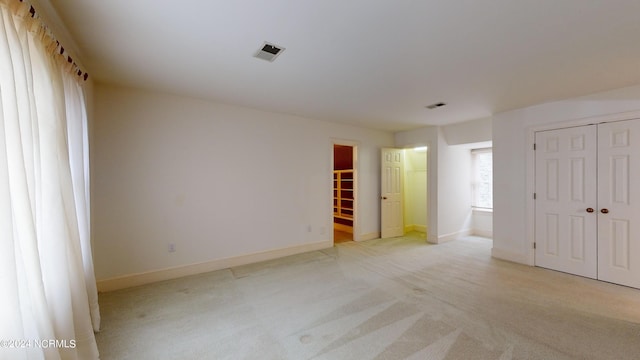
{"type": "Point", "coordinates": [269, 52]}
{"type": "Point", "coordinates": [435, 106]}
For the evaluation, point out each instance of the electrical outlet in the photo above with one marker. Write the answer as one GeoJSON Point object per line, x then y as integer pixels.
{"type": "Point", "coordinates": [171, 247]}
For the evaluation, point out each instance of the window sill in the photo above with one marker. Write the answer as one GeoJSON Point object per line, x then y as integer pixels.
{"type": "Point", "coordinates": [482, 210]}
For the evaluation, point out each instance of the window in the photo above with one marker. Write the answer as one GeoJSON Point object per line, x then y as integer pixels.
{"type": "Point", "coordinates": [482, 179]}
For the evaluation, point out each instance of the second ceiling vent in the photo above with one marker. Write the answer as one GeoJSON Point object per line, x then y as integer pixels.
{"type": "Point", "coordinates": [269, 52]}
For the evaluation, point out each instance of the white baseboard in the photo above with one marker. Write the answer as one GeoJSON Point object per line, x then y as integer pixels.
{"type": "Point", "coordinates": [510, 256]}
{"type": "Point", "coordinates": [131, 280]}
{"type": "Point", "coordinates": [483, 233]}
{"type": "Point", "coordinates": [419, 228]}
{"type": "Point", "coordinates": [369, 236]}
{"type": "Point", "coordinates": [449, 237]}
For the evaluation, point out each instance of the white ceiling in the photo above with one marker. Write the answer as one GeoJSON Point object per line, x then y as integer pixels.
{"type": "Point", "coordinates": [374, 63]}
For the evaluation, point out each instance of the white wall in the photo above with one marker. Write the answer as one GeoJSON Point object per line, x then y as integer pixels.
{"type": "Point", "coordinates": [468, 132]}
{"type": "Point", "coordinates": [454, 191]}
{"type": "Point", "coordinates": [511, 149]}
{"type": "Point", "coordinates": [218, 181]}
{"type": "Point", "coordinates": [482, 223]}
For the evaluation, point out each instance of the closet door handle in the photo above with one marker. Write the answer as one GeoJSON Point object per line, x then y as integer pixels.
{"type": "Point", "coordinates": [384, 198]}
{"type": "Point", "coordinates": [590, 210]}
{"type": "Point", "coordinates": [604, 211]}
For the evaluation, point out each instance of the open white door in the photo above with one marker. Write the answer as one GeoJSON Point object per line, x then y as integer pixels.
{"type": "Point", "coordinates": [391, 218]}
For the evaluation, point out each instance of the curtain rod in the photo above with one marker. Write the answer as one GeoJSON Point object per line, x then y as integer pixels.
{"type": "Point", "coordinates": [76, 68]}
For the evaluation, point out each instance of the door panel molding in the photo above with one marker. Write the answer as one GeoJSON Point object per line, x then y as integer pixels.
{"type": "Point", "coordinates": [565, 184]}
{"type": "Point", "coordinates": [619, 225]}
{"type": "Point", "coordinates": [391, 201]}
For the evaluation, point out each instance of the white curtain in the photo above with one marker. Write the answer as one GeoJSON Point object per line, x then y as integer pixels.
{"type": "Point", "coordinates": [48, 297]}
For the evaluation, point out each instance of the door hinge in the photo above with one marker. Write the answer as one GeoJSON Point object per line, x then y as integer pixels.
{"type": "Point", "coordinates": [534, 146]}
{"type": "Point", "coordinates": [534, 245]}
{"type": "Point", "coordinates": [534, 196]}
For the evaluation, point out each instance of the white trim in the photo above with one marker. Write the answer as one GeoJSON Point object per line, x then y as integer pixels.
{"type": "Point", "coordinates": [530, 208]}
{"type": "Point", "coordinates": [587, 121]}
{"type": "Point", "coordinates": [488, 149]}
{"type": "Point", "coordinates": [482, 210]}
{"type": "Point", "coordinates": [148, 277]}
{"type": "Point", "coordinates": [418, 228]}
{"type": "Point", "coordinates": [369, 236]}
{"type": "Point", "coordinates": [482, 233]}
{"type": "Point", "coordinates": [510, 256]}
{"type": "Point", "coordinates": [452, 236]}
{"type": "Point", "coordinates": [530, 167]}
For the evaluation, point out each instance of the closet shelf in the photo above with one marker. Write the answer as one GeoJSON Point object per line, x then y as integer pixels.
{"type": "Point", "coordinates": [343, 186]}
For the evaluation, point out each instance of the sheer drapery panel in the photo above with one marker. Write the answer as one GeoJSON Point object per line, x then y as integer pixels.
{"type": "Point", "coordinates": [48, 299]}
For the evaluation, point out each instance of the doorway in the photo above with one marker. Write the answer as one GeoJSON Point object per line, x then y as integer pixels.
{"type": "Point", "coordinates": [415, 194]}
{"type": "Point", "coordinates": [344, 192]}
{"type": "Point", "coordinates": [403, 195]}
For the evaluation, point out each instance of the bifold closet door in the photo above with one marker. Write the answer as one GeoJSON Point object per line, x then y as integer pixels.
{"type": "Point", "coordinates": [566, 201]}
{"type": "Point", "coordinates": [619, 202]}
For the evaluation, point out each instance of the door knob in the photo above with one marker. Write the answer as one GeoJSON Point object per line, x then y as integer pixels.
{"type": "Point", "coordinates": [604, 211]}
{"type": "Point", "coordinates": [384, 198]}
{"type": "Point", "coordinates": [590, 210]}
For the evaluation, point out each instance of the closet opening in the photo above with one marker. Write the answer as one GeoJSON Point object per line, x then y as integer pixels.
{"type": "Point", "coordinates": [403, 192]}
{"type": "Point", "coordinates": [415, 191]}
{"type": "Point", "coordinates": [344, 192]}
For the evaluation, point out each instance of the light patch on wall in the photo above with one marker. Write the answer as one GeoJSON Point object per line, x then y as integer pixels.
{"type": "Point", "coordinates": [420, 149]}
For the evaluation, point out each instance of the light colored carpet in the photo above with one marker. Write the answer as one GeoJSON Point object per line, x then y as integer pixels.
{"type": "Point", "coordinates": [381, 299]}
